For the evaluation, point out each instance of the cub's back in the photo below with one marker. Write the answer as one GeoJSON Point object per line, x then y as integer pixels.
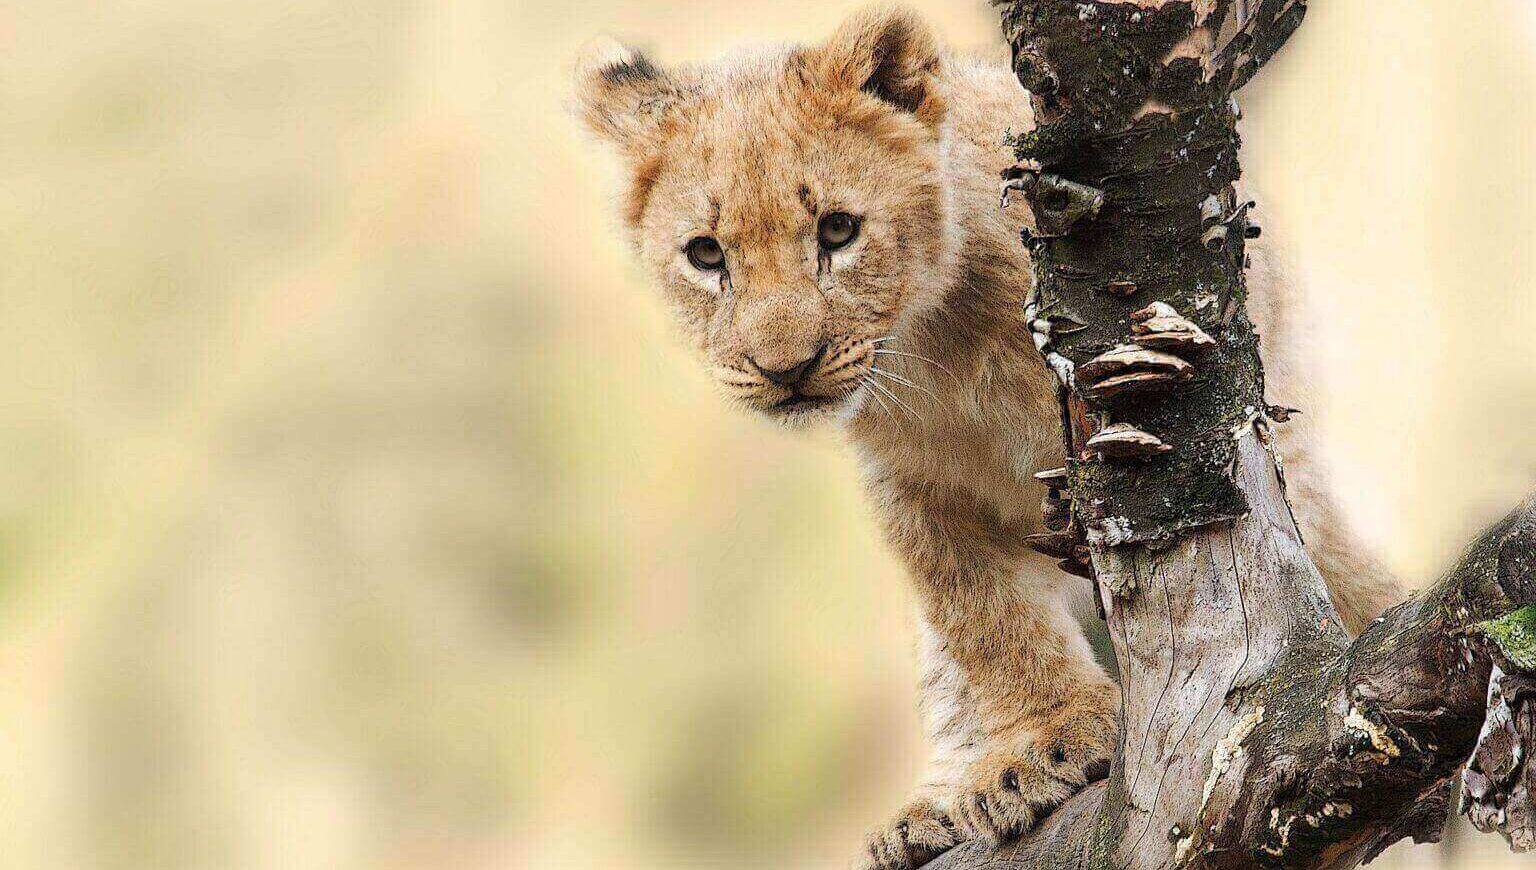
{"type": "Point", "coordinates": [986, 103]}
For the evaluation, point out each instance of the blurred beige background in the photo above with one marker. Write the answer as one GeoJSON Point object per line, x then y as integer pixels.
{"type": "Point", "coordinates": [357, 510]}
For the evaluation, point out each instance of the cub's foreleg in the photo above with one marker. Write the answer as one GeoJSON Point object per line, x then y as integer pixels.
{"type": "Point", "coordinates": [1019, 713]}
{"type": "Point", "coordinates": [924, 827]}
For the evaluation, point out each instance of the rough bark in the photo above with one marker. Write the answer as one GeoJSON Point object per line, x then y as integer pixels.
{"type": "Point", "coordinates": [1256, 734]}
{"type": "Point", "coordinates": [1500, 780]}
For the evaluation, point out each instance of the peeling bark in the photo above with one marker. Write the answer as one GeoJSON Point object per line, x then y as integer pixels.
{"type": "Point", "coordinates": [1500, 780]}
{"type": "Point", "coordinates": [1255, 733]}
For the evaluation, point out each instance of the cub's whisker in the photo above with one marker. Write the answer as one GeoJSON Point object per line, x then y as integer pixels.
{"type": "Point", "coordinates": [904, 382]}
{"type": "Point", "coordinates": [897, 399]}
{"type": "Point", "coordinates": [883, 405]}
{"type": "Point", "coordinates": [885, 352]}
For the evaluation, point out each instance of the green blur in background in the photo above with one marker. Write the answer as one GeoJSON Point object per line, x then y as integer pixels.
{"type": "Point", "coordinates": [357, 509]}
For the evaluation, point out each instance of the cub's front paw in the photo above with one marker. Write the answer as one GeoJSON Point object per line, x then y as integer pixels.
{"type": "Point", "coordinates": [1008, 794]}
{"type": "Point", "coordinates": [1012, 789]}
{"type": "Point", "coordinates": [921, 832]}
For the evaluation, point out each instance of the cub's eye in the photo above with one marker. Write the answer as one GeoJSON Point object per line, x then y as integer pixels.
{"type": "Point", "coordinates": [837, 230]}
{"type": "Point", "coordinates": [705, 254]}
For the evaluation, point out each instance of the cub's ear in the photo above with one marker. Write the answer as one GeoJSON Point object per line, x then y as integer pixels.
{"type": "Point", "coordinates": [889, 53]}
{"type": "Point", "coordinates": [621, 95]}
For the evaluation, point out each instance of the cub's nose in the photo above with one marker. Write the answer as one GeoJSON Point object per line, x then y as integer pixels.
{"type": "Point", "coordinates": [794, 374]}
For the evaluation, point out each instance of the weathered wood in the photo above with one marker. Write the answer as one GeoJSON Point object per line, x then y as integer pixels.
{"type": "Point", "coordinates": [1286, 746]}
{"type": "Point", "coordinates": [1255, 733]}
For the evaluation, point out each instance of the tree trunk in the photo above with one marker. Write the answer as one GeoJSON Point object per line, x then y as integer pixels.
{"type": "Point", "coordinates": [1255, 734]}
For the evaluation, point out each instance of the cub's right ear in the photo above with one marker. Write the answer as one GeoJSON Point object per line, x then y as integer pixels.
{"type": "Point", "coordinates": [621, 95]}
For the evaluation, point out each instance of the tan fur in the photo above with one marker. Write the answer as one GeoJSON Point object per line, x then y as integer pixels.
{"type": "Point", "coordinates": [929, 368]}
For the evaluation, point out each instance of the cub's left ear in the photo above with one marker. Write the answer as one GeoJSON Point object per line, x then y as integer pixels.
{"type": "Point", "coordinates": [889, 53]}
{"type": "Point", "coordinates": [622, 96]}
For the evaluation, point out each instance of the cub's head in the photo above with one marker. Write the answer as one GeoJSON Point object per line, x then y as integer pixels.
{"type": "Point", "coordinates": [790, 205]}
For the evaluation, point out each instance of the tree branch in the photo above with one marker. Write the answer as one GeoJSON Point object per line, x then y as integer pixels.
{"type": "Point", "coordinates": [1254, 734]}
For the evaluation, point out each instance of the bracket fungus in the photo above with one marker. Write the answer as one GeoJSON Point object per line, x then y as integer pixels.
{"type": "Point", "coordinates": [1161, 327]}
{"type": "Point", "coordinates": [1055, 478]}
{"type": "Point", "coordinates": [1124, 441]}
{"type": "Point", "coordinates": [1128, 368]}
{"type": "Point", "coordinates": [1127, 358]}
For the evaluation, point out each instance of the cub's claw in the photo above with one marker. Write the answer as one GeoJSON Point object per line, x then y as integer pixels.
{"type": "Point", "coordinates": [1011, 794]}
{"type": "Point", "coordinates": [921, 832]}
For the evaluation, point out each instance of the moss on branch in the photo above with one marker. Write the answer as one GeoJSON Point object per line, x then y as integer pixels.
{"type": "Point", "coordinates": [1515, 637]}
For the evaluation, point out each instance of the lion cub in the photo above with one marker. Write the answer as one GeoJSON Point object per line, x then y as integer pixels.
{"type": "Point", "coordinates": [825, 224]}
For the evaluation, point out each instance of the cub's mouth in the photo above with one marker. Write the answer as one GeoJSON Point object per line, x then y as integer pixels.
{"type": "Point", "coordinates": [797, 404]}
{"type": "Point", "coordinates": [800, 401]}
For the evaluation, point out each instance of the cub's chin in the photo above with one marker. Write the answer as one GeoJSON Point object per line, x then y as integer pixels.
{"type": "Point", "coordinates": [801, 411]}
